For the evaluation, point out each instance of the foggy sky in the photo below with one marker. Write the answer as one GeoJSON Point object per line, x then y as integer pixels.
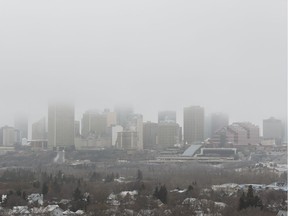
{"type": "Point", "coordinates": [226, 55]}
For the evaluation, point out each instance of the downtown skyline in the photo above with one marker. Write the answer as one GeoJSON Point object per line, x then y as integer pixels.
{"type": "Point", "coordinates": [100, 55]}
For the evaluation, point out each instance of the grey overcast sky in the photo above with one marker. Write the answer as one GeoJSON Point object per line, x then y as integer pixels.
{"type": "Point", "coordinates": [225, 55]}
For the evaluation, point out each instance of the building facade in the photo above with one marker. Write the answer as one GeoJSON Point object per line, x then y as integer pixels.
{"type": "Point", "coordinates": [273, 129]}
{"type": "Point", "coordinates": [193, 119]}
{"type": "Point", "coordinates": [169, 134]}
{"type": "Point", "coordinates": [8, 136]}
{"type": "Point", "coordinates": [94, 124]}
{"type": "Point", "coordinates": [218, 121]}
{"type": "Point", "coordinates": [77, 129]}
{"type": "Point", "coordinates": [21, 124]}
{"type": "Point", "coordinates": [236, 134]}
{"type": "Point", "coordinates": [61, 125]}
{"type": "Point", "coordinates": [123, 115]}
{"type": "Point", "coordinates": [39, 130]}
{"type": "Point", "coordinates": [150, 135]}
{"type": "Point", "coordinates": [127, 140]}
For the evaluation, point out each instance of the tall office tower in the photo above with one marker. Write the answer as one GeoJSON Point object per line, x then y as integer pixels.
{"type": "Point", "coordinates": [110, 117]}
{"type": "Point", "coordinates": [77, 128]}
{"type": "Point", "coordinates": [168, 135]}
{"type": "Point", "coordinates": [39, 130]}
{"type": "Point", "coordinates": [218, 121]}
{"type": "Point", "coordinates": [193, 119]}
{"type": "Point", "coordinates": [21, 124]}
{"type": "Point", "coordinates": [167, 116]}
{"type": "Point", "coordinates": [273, 129]}
{"type": "Point", "coordinates": [8, 136]}
{"type": "Point", "coordinates": [207, 127]}
{"type": "Point", "coordinates": [150, 135]}
{"type": "Point", "coordinates": [253, 137]}
{"type": "Point", "coordinates": [61, 125]}
{"type": "Point", "coordinates": [136, 124]}
{"type": "Point", "coordinates": [94, 124]}
{"type": "Point", "coordinates": [123, 115]}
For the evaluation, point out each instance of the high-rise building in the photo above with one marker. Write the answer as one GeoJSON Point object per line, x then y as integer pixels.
{"type": "Point", "coordinates": [207, 127]}
{"type": "Point", "coordinates": [136, 124]}
{"type": "Point", "coordinates": [123, 115]}
{"type": "Point", "coordinates": [8, 136]}
{"type": "Point", "coordinates": [61, 125]}
{"type": "Point", "coordinates": [132, 136]}
{"type": "Point", "coordinates": [77, 128]}
{"type": "Point", "coordinates": [167, 116]}
{"type": "Point", "coordinates": [169, 134]}
{"type": "Point", "coordinates": [21, 124]}
{"type": "Point", "coordinates": [94, 124]}
{"type": "Point", "coordinates": [110, 117]}
{"type": "Point", "coordinates": [218, 121]}
{"type": "Point", "coordinates": [150, 135]}
{"type": "Point", "coordinates": [193, 119]}
{"type": "Point", "coordinates": [39, 130]}
{"type": "Point", "coordinates": [273, 129]}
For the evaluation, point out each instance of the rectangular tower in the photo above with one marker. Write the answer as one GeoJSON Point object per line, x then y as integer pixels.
{"type": "Point", "coordinates": [193, 124]}
{"type": "Point", "coordinates": [61, 125]}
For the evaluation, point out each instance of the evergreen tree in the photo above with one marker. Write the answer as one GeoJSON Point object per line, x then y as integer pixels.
{"type": "Point", "coordinates": [190, 188]}
{"type": "Point", "coordinates": [156, 193]}
{"type": "Point", "coordinates": [249, 200]}
{"type": "Point", "coordinates": [24, 195]}
{"type": "Point", "coordinates": [250, 196]}
{"type": "Point", "coordinates": [242, 203]}
{"type": "Point", "coordinates": [139, 175]}
{"type": "Point", "coordinates": [45, 188]}
{"type": "Point", "coordinates": [77, 195]}
{"type": "Point", "coordinates": [162, 194]}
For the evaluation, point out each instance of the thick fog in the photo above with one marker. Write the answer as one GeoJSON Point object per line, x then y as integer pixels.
{"type": "Point", "coordinates": [227, 56]}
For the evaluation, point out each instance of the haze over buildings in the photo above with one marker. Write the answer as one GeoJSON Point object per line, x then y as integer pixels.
{"type": "Point", "coordinates": [39, 129]}
{"type": "Point", "coordinates": [21, 124]}
{"type": "Point", "coordinates": [143, 107]}
{"type": "Point", "coordinates": [155, 55]}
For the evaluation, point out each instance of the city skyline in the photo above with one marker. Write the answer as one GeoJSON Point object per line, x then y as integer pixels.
{"type": "Point", "coordinates": [102, 54]}
{"type": "Point", "coordinates": [179, 116]}
{"type": "Point", "coordinates": [143, 107]}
